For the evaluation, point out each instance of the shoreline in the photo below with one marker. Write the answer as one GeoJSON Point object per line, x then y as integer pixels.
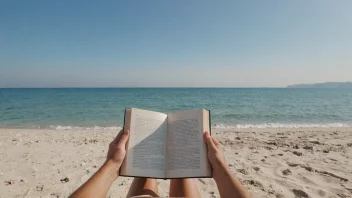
{"type": "Point", "coordinates": [269, 126]}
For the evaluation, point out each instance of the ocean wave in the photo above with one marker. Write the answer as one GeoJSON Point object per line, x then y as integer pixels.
{"type": "Point", "coordinates": [60, 127]}
{"type": "Point", "coordinates": [215, 126]}
{"type": "Point", "coordinates": [281, 125]}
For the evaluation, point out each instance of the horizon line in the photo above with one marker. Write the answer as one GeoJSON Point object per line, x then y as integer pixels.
{"type": "Point", "coordinates": [127, 87]}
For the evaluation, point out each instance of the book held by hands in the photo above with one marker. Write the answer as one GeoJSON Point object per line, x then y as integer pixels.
{"type": "Point", "coordinates": [166, 146]}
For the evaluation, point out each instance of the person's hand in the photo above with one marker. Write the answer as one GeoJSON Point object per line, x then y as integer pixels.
{"type": "Point", "coordinates": [108, 172]}
{"type": "Point", "coordinates": [227, 184]}
{"type": "Point", "coordinates": [117, 148]}
{"type": "Point", "coordinates": [215, 153]}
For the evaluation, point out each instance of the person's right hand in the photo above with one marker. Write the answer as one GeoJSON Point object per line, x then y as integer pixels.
{"type": "Point", "coordinates": [227, 184]}
{"type": "Point", "coordinates": [215, 153]}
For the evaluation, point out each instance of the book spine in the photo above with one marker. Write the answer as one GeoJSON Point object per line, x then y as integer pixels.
{"type": "Point", "coordinates": [123, 129]}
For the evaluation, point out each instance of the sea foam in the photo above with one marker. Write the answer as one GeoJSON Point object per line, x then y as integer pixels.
{"type": "Point", "coordinates": [220, 126]}
{"type": "Point", "coordinates": [60, 127]}
{"type": "Point", "coordinates": [281, 125]}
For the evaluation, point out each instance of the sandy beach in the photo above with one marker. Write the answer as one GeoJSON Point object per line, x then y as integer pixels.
{"type": "Point", "coordinates": [313, 162]}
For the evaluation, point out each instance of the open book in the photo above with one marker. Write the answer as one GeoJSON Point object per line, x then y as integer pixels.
{"type": "Point", "coordinates": [166, 146]}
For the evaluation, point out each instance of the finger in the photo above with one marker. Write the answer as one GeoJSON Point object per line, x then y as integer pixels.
{"type": "Point", "coordinates": [209, 141]}
{"type": "Point", "coordinates": [118, 136]}
{"type": "Point", "coordinates": [216, 142]}
{"type": "Point", "coordinates": [123, 139]}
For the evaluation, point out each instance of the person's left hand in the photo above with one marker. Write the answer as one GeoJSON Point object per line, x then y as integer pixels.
{"type": "Point", "coordinates": [117, 148]}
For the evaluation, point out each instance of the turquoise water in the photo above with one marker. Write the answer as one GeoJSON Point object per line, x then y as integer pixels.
{"type": "Point", "coordinates": [104, 107]}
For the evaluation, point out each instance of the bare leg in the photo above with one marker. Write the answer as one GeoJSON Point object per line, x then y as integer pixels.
{"type": "Point", "coordinates": [184, 188]}
{"type": "Point", "coordinates": [143, 186]}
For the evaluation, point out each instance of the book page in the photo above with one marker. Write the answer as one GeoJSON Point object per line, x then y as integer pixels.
{"type": "Point", "coordinates": [147, 144]}
{"type": "Point", "coordinates": [186, 149]}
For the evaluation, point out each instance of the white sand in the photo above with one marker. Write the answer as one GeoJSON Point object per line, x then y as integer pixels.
{"type": "Point", "coordinates": [33, 161]}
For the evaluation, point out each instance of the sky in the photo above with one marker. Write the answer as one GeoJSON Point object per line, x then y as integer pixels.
{"type": "Point", "coordinates": [174, 43]}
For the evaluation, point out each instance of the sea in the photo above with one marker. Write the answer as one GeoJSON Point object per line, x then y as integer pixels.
{"type": "Point", "coordinates": [103, 108]}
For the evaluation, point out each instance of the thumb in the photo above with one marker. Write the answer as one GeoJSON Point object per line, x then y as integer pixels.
{"type": "Point", "coordinates": [209, 141]}
{"type": "Point", "coordinates": [123, 139]}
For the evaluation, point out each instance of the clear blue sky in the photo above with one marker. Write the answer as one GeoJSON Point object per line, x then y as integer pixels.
{"type": "Point", "coordinates": [174, 43]}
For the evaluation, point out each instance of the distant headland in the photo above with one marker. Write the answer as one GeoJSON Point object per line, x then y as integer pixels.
{"type": "Point", "coordinates": [337, 85]}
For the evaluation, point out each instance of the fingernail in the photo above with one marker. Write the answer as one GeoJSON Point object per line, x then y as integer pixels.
{"type": "Point", "coordinates": [206, 134]}
{"type": "Point", "coordinates": [127, 132]}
